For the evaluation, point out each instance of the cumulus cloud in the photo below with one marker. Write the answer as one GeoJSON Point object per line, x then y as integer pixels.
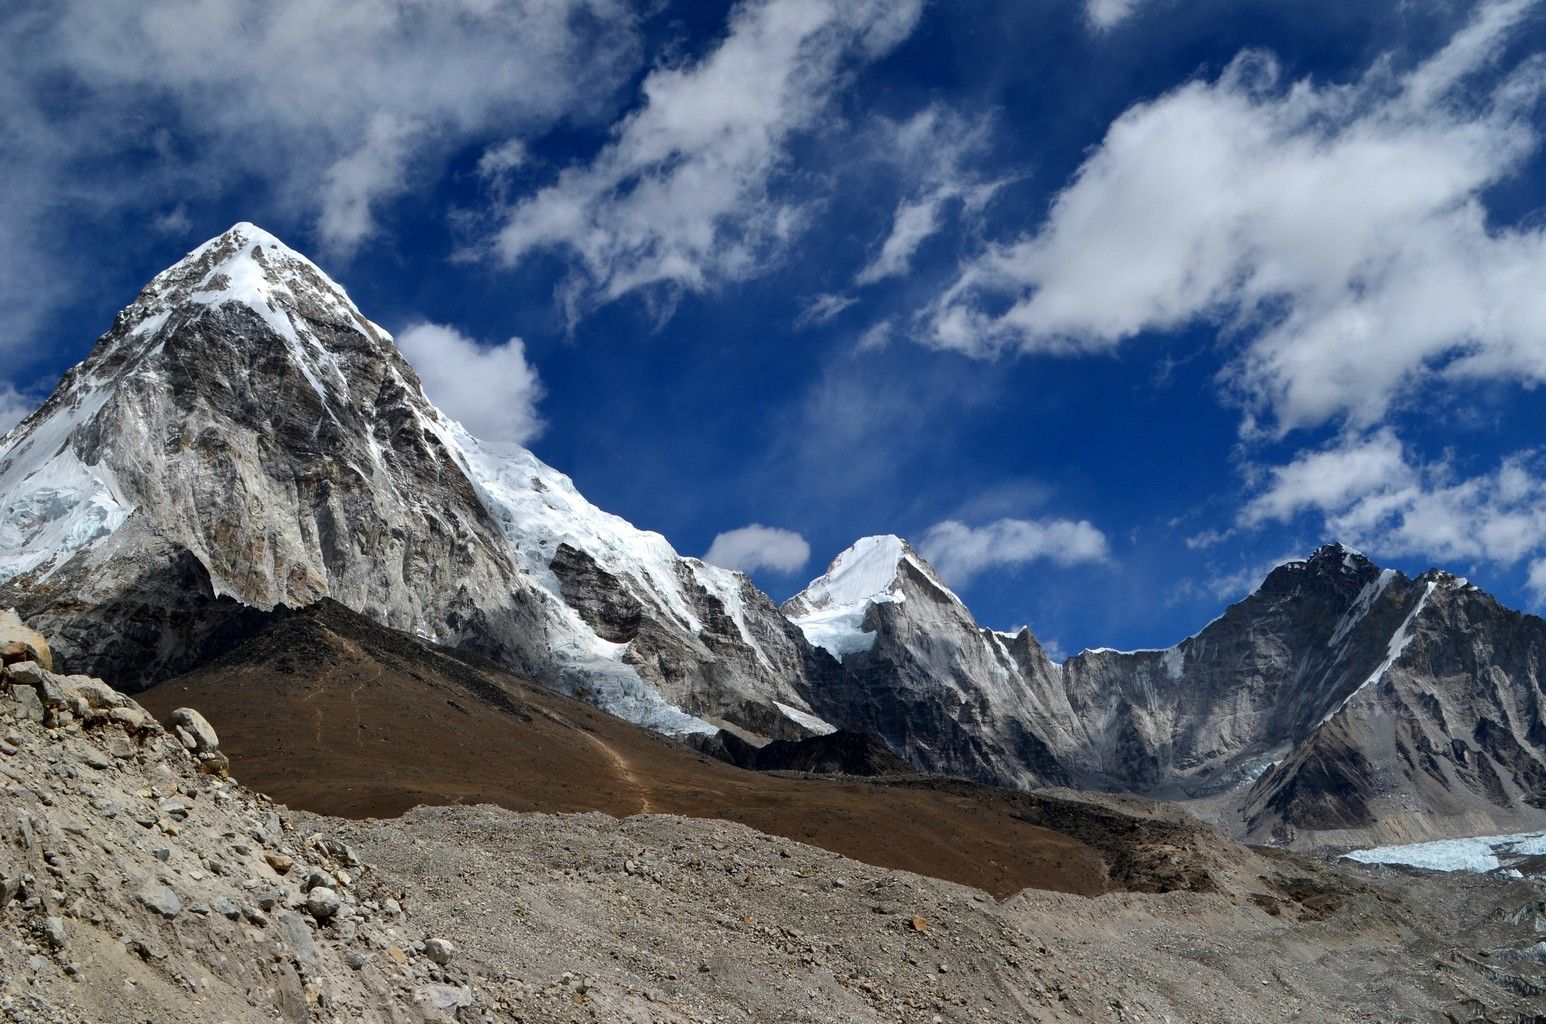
{"type": "Point", "coordinates": [490, 389]}
{"type": "Point", "coordinates": [1372, 492]}
{"type": "Point", "coordinates": [1340, 230]}
{"type": "Point", "coordinates": [960, 552]}
{"type": "Point", "coordinates": [321, 111]}
{"type": "Point", "coordinates": [683, 197]}
{"type": "Point", "coordinates": [755, 547]}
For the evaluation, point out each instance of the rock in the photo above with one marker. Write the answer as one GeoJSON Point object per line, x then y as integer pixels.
{"type": "Point", "coordinates": [280, 862]}
{"type": "Point", "coordinates": [439, 951]}
{"type": "Point", "coordinates": [98, 695]}
{"type": "Point", "coordinates": [294, 928]}
{"type": "Point", "coordinates": [227, 909]}
{"type": "Point", "coordinates": [314, 878]}
{"type": "Point", "coordinates": [161, 900]}
{"type": "Point", "coordinates": [53, 931]}
{"type": "Point", "coordinates": [444, 998]}
{"type": "Point", "coordinates": [323, 903]}
{"type": "Point", "coordinates": [48, 686]}
{"type": "Point", "coordinates": [28, 705]}
{"type": "Point", "coordinates": [200, 734]}
{"type": "Point", "coordinates": [20, 643]}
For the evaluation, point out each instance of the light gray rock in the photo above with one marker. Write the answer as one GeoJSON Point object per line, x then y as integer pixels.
{"type": "Point", "coordinates": [323, 903]}
{"type": "Point", "coordinates": [160, 899]}
{"type": "Point", "coordinates": [439, 951]}
{"type": "Point", "coordinates": [201, 735]}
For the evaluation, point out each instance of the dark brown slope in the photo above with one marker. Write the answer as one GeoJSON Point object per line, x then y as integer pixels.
{"type": "Point", "coordinates": [329, 712]}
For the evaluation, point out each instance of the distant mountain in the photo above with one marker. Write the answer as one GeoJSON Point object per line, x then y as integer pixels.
{"type": "Point", "coordinates": [1339, 701]}
{"type": "Point", "coordinates": [244, 438]}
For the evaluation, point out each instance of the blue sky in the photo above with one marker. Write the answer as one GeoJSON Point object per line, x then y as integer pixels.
{"type": "Point", "coordinates": [1107, 306]}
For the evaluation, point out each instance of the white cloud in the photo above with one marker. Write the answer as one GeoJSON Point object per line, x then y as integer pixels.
{"type": "Point", "coordinates": [1537, 580]}
{"type": "Point", "coordinates": [755, 547]}
{"type": "Point", "coordinates": [961, 552]}
{"type": "Point", "coordinates": [15, 406]}
{"type": "Point", "coordinates": [820, 309]}
{"type": "Point", "coordinates": [682, 196]}
{"type": "Point", "coordinates": [1332, 478]}
{"type": "Point", "coordinates": [1104, 14]}
{"type": "Point", "coordinates": [934, 148]}
{"type": "Point", "coordinates": [1371, 493]}
{"type": "Point", "coordinates": [1339, 229]}
{"type": "Point", "coordinates": [490, 389]}
{"type": "Point", "coordinates": [316, 111]}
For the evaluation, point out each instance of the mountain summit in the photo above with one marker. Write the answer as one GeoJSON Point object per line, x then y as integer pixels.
{"type": "Point", "coordinates": [244, 438]}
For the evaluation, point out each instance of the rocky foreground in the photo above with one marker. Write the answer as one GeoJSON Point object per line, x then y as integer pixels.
{"type": "Point", "coordinates": [140, 884]}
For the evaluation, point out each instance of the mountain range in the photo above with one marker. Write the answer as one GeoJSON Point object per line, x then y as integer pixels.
{"type": "Point", "coordinates": [243, 440]}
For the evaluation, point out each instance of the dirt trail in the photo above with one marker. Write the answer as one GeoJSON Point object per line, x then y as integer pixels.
{"type": "Point", "coordinates": [625, 773]}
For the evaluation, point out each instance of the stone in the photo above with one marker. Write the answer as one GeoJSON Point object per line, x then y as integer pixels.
{"type": "Point", "coordinates": [19, 642]}
{"type": "Point", "coordinates": [280, 862]}
{"type": "Point", "coordinates": [439, 951]}
{"type": "Point", "coordinates": [444, 998]}
{"type": "Point", "coordinates": [98, 695]}
{"type": "Point", "coordinates": [161, 900]}
{"type": "Point", "coordinates": [323, 903]}
{"type": "Point", "coordinates": [294, 928]}
{"type": "Point", "coordinates": [54, 932]}
{"type": "Point", "coordinates": [187, 721]}
{"type": "Point", "coordinates": [28, 705]}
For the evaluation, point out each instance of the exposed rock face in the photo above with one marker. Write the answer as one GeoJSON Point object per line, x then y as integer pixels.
{"type": "Point", "coordinates": [244, 438]}
{"type": "Point", "coordinates": [922, 675]}
{"type": "Point", "coordinates": [1338, 702]}
{"type": "Point", "coordinates": [837, 753]}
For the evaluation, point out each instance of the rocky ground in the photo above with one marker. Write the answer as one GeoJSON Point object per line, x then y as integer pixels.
{"type": "Point", "coordinates": [140, 885]}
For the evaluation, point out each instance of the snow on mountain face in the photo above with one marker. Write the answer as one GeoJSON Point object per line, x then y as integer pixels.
{"type": "Point", "coordinates": [831, 610]}
{"type": "Point", "coordinates": [244, 436]}
{"type": "Point", "coordinates": [1339, 700]}
{"type": "Point", "coordinates": [920, 674]}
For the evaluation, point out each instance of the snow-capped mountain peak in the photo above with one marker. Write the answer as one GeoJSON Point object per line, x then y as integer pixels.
{"type": "Point", "coordinates": [244, 436]}
{"type": "Point", "coordinates": [831, 610]}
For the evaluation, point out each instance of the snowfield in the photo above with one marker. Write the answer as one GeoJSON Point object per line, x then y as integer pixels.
{"type": "Point", "coordinates": [1478, 854]}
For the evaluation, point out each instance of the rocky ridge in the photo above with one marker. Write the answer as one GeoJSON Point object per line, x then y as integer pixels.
{"type": "Point", "coordinates": [1339, 702]}
{"type": "Point", "coordinates": [138, 882]}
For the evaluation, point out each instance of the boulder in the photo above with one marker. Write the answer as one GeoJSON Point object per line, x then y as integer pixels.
{"type": "Point", "coordinates": [194, 730]}
{"type": "Point", "coordinates": [323, 903]}
{"type": "Point", "coordinates": [19, 642]}
{"type": "Point", "coordinates": [98, 695]}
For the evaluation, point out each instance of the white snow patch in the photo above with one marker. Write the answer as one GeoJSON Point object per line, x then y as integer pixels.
{"type": "Point", "coordinates": [1361, 606]}
{"type": "Point", "coordinates": [1398, 644]}
{"type": "Point", "coordinates": [1478, 854]}
{"type": "Point", "coordinates": [831, 610]}
{"type": "Point", "coordinates": [1174, 662]}
{"type": "Point", "coordinates": [806, 720]}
